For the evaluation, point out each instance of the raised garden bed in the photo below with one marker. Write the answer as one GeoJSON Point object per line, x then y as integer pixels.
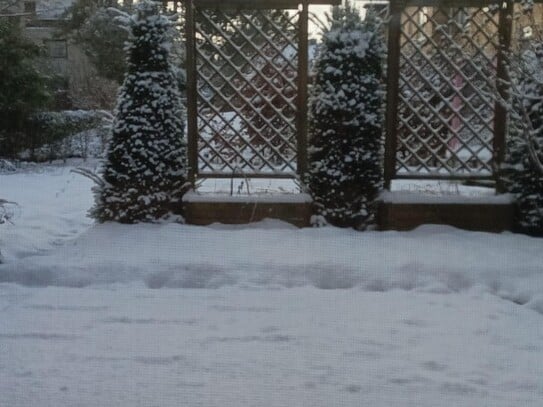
{"type": "Point", "coordinates": [406, 210]}
{"type": "Point", "coordinates": [205, 209]}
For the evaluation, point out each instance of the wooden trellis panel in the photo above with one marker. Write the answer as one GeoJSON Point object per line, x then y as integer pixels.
{"type": "Point", "coordinates": [247, 87]}
{"type": "Point", "coordinates": [443, 117]}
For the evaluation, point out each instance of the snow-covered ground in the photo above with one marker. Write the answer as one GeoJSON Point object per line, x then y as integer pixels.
{"type": "Point", "coordinates": [259, 315]}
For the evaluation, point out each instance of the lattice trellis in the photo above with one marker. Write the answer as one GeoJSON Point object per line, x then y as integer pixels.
{"type": "Point", "coordinates": [247, 86]}
{"type": "Point", "coordinates": [445, 104]}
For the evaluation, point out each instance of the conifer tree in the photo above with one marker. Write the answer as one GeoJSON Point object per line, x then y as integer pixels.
{"type": "Point", "coordinates": [345, 146]}
{"type": "Point", "coordinates": [522, 171]}
{"type": "Point", "coordinates": [145, 169]}
{"type": "Point", "coordinates": [23, 88]}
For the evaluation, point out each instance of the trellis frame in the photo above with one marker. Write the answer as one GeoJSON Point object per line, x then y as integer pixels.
{"type": "Point", "coordinates": [302, 76]}
{"type": "Point", "coordinates": [396, 9]}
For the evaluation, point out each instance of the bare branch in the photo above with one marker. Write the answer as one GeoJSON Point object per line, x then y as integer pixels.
{"type": "Point", "coordinates": [94, 177]}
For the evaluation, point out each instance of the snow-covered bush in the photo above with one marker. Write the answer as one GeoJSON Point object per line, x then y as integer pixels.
{"type": "Point", "coordinates": [6, 214]}
{"type": "Point", "coordinates": [7, 166]}
{"type": "Point", "coordinates": [144, 174]}
{"type": "Point", "coordinates": [345, 146]}
{"type": "Point", "coordinates": [6, 211]}
{"type": "Point", "coordinates": [61, 135]}
{"type": "Point", "coordinates": [522, 170]}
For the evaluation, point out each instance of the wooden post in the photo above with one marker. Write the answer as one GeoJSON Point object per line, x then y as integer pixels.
{"type": "Point", "coordinates": [302, 90]}
{"type": "Point", "coordinates": [192, 94]}
{"type": "Point", "coordinates": [392, 98]}
{"type": "Point", "coordinates": [500, 111]}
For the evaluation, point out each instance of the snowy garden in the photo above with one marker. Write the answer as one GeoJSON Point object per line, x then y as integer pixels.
{"type": "Point", "coordinates": [261, 314]}
{"type": "Point", "coordinates": [109, 296]}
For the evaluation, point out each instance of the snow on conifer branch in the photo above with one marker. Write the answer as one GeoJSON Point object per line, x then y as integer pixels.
{"type": "Point", "coordinates": [522, 170]}
{"type": "Point", "coordinates": [345, 146]}
{"type": "Point", "coordinates": [144, 174]}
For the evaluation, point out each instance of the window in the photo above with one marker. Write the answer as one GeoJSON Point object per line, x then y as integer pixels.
{"type": "Point", "coordinates": [57, 48]}
{"type": "Point", "coordinates": [30, 7]}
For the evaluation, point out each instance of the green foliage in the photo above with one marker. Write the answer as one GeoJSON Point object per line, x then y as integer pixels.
{"type": "Point", "coordinates": [522, 171]}
{"type": "Point", "coordinates": [103, 40]}
{"type": "Point", "coordinates": [345, 146]}
{"type": "Point", "coordinates": [23, 89]}
{"type": "Point", "coordinates": [81, 10]}
{"type": "Point", "coordinates": [101, 29]}
{"type": "Point", "coordinates": [48, 132]}
{"type": "Point", "coordinates": [95, 26]}
{"type": "Point", "coordinates": [144, 175]}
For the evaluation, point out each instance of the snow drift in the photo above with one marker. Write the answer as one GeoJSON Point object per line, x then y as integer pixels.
{"type": "Point", "coordinates": [273, 254]}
